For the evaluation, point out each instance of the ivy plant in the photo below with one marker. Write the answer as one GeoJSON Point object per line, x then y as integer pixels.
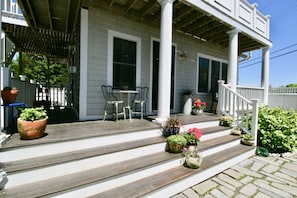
{"type": "Point", "coordinates": [277, 129]}
{"type": "Point", "coordinates": [33, 114]}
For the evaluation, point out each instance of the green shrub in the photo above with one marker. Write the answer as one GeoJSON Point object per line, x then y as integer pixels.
{"type": "Point", "coordinates": [277, 129]}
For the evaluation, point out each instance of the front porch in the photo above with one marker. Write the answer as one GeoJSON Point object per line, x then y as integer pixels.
{"type": "Point", "coordinates": [109, 159]}
{"type": "Point", "coordinates": [63, 126]}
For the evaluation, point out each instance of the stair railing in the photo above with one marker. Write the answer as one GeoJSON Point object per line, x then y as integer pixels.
{"type": "Point", "coordinates": [244, 111]}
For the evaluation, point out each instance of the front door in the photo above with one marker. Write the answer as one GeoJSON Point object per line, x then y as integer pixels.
{"type": "Point", "coordinates": [156, 50]}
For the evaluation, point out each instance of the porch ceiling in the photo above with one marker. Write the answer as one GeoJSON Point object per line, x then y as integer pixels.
{"type": "Point", "coordinates": [187, 19]}
{"type": "Point", "coordinates": [52, 28]}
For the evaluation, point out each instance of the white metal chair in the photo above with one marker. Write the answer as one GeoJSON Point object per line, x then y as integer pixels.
{"type": "Point", "coordinates": [111, 100]}
{"type": "Point", "coordinates": [139, 101]}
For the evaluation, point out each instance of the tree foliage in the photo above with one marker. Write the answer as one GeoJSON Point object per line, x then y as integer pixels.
{"type": "Point", "coordinates": [292, 85]}
{"type": "Point", "coordinates": [37, 68]}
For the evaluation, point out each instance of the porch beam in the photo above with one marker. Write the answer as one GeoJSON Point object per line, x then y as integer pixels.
{"type": "Point", "coordinates": [49, 14]}
{"type": "Point", "coordinates": [129, 5]}
{"type": "Point", "coordinates": [165, 60]}
{"type": "Point", "coordinates": [265, 73]}
{"type": "Point", "coordinates": [148, 8]}
{"type": "Point", "coordinates": [180, 13]}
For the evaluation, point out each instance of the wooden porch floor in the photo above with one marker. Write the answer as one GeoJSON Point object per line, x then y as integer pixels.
{"type": "Point", "coordinates": [71, 129]}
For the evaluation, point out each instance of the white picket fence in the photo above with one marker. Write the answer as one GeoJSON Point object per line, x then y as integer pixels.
{"type": "Point", "coordinates": [284, 97]}
{"type": "Point", "coordinates": [31, 92]}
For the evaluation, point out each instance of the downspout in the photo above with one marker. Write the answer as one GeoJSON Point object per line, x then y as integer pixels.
{"type": "Point", "coordinates": [245, 57]}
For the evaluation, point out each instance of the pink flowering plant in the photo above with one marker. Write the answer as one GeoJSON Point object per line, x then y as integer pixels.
{"type": "Point", "coordinates": [198, 104]}
{"type": "Point", "coordinates": [193, 136]}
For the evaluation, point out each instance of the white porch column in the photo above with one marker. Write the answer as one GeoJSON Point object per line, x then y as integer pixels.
{"type": "Point", "coordinates": [265, 73]}
{"type": "Point", "coordinates": [83, 83]}
{"type": "Point", "coordinates": [233, 58]}
{"type": "Point", "coordinates": [165, 60]}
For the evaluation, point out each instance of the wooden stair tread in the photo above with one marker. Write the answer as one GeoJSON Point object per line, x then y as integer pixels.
{"type": "Point", "coordinates": [95, 175]}
{"type": "Point", "coordinates": [53, 185]}
{"type": "Point", "coordinates": [152, 183]}
{"type": "Point", "coordinates": [28, 164]}
{"type": "Point", "coordinates": [75, 155]}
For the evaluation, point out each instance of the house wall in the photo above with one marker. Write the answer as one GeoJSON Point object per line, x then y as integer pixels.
{"type": "Point", "coordinates": [101, 21]}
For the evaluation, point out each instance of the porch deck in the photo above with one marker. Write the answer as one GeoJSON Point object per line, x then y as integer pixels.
{"type": "Point", "coordinates": [71, 129]}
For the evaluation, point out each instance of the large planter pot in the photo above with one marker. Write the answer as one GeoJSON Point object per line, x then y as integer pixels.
{"type": "Point", "coordinates": [168, 131]}
{"type": "Point", "coordinates": [9, 96]}
{"type": "Point", "coordinates": [175, 148]}
{"type": "Point", "coordinates": [29, 130]}
{"type": "Point", "coordinates": [187, 105]}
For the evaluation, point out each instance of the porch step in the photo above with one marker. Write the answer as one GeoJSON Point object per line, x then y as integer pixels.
{"type": "Point", "coordinates": [116, 167]}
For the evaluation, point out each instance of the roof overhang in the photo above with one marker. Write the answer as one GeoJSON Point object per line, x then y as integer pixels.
{"type": "Point", "coordinates": [52, 24]}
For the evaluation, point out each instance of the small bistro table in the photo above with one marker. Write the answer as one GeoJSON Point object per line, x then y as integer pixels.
{"type": "Point", "coordinates": [128, 93]}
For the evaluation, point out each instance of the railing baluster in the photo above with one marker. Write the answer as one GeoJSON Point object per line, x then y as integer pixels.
{"type": "Point", "coordinates": [233, 104]}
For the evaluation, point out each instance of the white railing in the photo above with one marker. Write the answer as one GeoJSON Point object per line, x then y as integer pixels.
{"type": "Point", "coordinates": [11, 13]}
{"type": "Point", "coordinates": [56, 96]}
{"type": "Point", "coordinates": [241, 109]}
{"type": "Point", "coordinates": [245, 13]}
{"type": "Point", "coordinates": [251, 93]}
{"type": "Point", "coordinates": [10, 8]}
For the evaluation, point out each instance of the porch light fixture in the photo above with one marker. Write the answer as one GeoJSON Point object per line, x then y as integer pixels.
{"type": "Point", "coordinates": [182, 56]}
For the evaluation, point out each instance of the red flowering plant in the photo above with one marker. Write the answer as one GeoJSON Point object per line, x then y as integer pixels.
{"type": "Point", "coordinates": [198, 104]}
{"type": "Point", "coordinates": [193, 136]}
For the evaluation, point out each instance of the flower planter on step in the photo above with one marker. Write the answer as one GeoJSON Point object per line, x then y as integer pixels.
{"type": "Point", "coordinates": [29, 130]}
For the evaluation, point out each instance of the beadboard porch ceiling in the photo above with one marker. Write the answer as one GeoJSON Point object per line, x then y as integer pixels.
{"type": "Point", "coordinates": [52, 26]}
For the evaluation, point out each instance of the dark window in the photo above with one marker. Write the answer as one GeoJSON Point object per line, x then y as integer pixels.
{"type": "Point", "coordinates": [124, 63]}
{"type": "Point", "coordinates": [224, 72]}
{"type": "Point", "coordinates": [203, 74]}
{"type": "Point", "coordinates": [215, 75]}
{"type": "Point", "coordinates": [210, 71]}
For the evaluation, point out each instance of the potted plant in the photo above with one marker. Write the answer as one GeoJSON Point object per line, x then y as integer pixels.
{"type": "Point", "coordinates": [188, 94]}
{"type": "Point", "coordinates": [32, 123]}
{"type": "Point", "coordinates": [236, 130]}
{"type": "Point", "coordinates": [193, 136]}
{"type": "Point", "coordinates": [226, 121]}
{"type": "Point", "coordinates": [198, 106]}
{"type": "Point", "coordinates": [192, 158]}
{"type": "Point", "coordinates": [171, 127]}
{"type": "Point", "coordinates": [176, 143]}
{"type": "Point", "coordinates": [248, 139]}
{"type": "Point", "coordinates": [9, 95]}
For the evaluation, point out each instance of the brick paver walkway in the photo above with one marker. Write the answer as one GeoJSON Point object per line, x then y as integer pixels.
{"type": "Point", "coordinates": [259, 177]}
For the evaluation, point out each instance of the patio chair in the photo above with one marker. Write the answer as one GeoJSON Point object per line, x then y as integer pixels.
{"type": "Point", "coordinates": [111, 100]}
{"type": "Point", "coordinates": [139, 101]}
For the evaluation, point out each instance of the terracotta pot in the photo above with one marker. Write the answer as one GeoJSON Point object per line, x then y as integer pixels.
{"type": "Point", "coordinates": [9, 96]}
{"type": "Point", "coordinates": [29, 130]}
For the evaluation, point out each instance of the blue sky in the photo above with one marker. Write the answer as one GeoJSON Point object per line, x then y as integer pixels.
{"type": "Point", "coordinates": [283, 54]}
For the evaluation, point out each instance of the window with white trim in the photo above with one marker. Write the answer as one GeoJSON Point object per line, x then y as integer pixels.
{"type": "Point", "coordinates": [123, 60]}
{"type": "Point", "coordinates": [210, 70]}
{"type": "Point", "coordinates": [124, 63]}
